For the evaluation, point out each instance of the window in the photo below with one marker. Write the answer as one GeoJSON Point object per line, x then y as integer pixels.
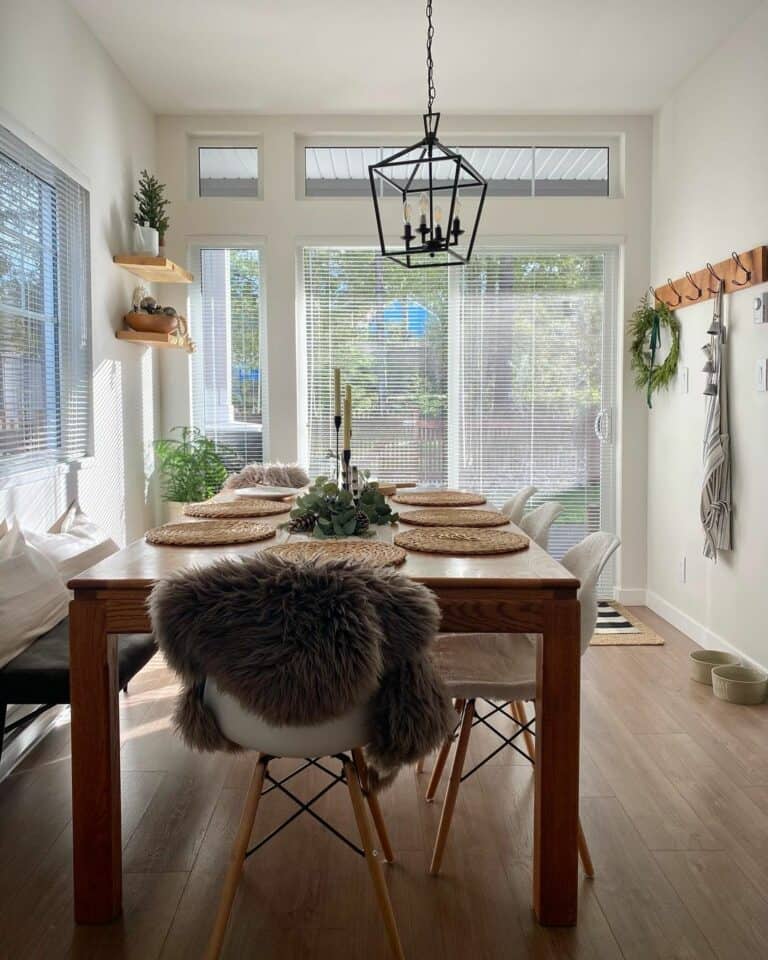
{"type": "Point", "coordinates": [488, 378]}
{"type": "Point", "coordinates": [228, 171]}
{"type": "Point", "coordinates": [45, 339]}
{"type": "Point", "coordinates": [525, 171]}
{"type": "Point", "coordinates": [227, 367]}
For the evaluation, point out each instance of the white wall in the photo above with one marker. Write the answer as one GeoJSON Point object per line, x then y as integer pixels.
{"type": "Point", "coordinates": [61, 93]}
{"type": "Point", "coordinates": [282, 222]}
{"type": "Point", "coordinates": [711, 197]}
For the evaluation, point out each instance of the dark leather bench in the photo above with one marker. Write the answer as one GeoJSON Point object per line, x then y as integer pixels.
{"type": "Point", "coordinates": [39, 675]}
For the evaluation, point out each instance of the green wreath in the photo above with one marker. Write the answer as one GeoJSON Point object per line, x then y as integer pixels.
{"type": "Point", "coordinates": [645, 331]}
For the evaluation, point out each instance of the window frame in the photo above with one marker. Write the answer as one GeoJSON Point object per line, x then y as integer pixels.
{"type": "Point", "coordinates": [216, 242]}
{"type": "Point", "coordinates": [613, 142]}
{"type": "Point", "coordinates": [23, 468]}
{"type": "Point", "coordinates": [197, 142]}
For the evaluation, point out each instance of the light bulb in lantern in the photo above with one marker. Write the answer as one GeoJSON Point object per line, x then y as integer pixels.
{"type": "Point", "coordinates": [423, 207]}
{"type": "Point", "coordinates": [438, 222]}
{"type": "Point", "coordinates": [406, 213]}
{"type": "Point", "coordinates": [456, 226]}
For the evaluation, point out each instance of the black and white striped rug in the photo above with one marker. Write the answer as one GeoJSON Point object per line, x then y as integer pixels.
{"type": "Point", "coordinates": [611, 621]}
{"type": "Point", "coordinates": [618, 627]}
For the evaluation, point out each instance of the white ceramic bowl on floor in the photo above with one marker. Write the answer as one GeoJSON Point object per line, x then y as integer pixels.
{"type": "Point", "coordinates": [702, 662]}
{"type": "Point", "coordinates": [744, 685]}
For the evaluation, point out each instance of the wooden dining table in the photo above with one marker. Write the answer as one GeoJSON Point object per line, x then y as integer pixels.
{"type": "Point", "coordinates": [524, 592]}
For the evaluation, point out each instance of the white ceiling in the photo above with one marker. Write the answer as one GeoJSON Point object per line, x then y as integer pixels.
{"type": "Point", "coordinates": [367, 56]}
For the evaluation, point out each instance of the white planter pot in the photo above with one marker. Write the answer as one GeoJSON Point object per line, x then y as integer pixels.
{"type": "Point", "coordinates": [145, 240]}
{"type": "Point", "coordinates": [173, 511]}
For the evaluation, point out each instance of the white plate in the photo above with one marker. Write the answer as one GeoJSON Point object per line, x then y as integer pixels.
{"type": "Point", "coordinates": [267, 493]}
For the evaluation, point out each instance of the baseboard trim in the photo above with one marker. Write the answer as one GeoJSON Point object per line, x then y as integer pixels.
{"type": "Point", "coordinates": [700, 634]}
{"type": "Point", "coordinates": [630, 596]}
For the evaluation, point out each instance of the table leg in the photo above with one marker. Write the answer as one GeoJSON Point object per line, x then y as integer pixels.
{"type": "Point", "coordinates": [556, 818]}
{"type": "Point", "coordinates": [95, 764]}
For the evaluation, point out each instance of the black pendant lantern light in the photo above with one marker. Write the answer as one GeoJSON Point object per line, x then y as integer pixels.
{"type": "Point", "coordinates": [439, 228]}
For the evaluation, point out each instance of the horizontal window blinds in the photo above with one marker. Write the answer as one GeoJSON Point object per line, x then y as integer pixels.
{"type": "Point", "coordinates": [45, 337]}
{"type": "Point", "coordinates": [387, 329]}
{"type": "Point", "coordinates": [533, 367]}
{"type": "Point", "coordinates": [227, 368]}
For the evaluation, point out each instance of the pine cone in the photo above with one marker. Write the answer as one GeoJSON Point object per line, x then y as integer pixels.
{"type": "Point", "coordinates": [362, 522]}
{"type": "Point", "coordinates": [304, 524]}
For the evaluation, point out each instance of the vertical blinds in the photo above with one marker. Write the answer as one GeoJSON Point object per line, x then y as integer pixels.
{"type": "Point", "coordinates": [490, 378]}
{"type": "Point", "coordinates": [387, 329]}
{"type": "Point", "coordinates": [227, 368]}
{"type": "Point", "coordinates": [532, 363]}
{"type": "Point", "coordinates": [45, 349]}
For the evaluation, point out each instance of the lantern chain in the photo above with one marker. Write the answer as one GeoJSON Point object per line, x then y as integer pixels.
{"type": "Point", "coordinates": [431, 92]}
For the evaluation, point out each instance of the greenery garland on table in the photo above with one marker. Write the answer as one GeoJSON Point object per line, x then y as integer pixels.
{"type": "Point", "coordinates": [645, 332]}
{"type": "Point", "coordinates": [326, 512]}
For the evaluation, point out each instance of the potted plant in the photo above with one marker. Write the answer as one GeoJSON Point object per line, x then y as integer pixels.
{"type": "Point", "coordinates": [190, 469]}
{"type": "Point", "coordinates": [151, 220]}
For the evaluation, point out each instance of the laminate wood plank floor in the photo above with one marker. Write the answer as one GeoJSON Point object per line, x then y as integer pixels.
{"type": "Point", "coordinates": [674, 788]}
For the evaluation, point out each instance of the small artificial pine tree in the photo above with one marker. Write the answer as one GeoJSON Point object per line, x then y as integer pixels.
{"type": "Point", "coordinates": [152, 203]}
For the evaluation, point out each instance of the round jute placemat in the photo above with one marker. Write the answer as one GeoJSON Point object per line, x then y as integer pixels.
{"type": "Point", "coordinates": [461, 541]}
{"type": "Point", "coordinates": [450, 517]}
{"type": "Point", "coordinates": [440, 498]}
{"type": "Point", "coordinates": [387, 489]}
{"type": "Point", "coordinates": [372, 553]}
{"type": "Point", "coordinates": [243, 507]}
{"type": "Point", "coordinates": [209, 533]}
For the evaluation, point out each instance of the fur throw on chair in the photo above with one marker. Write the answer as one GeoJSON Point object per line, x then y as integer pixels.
{"type": "Point", "coordinates": [300, 644]}
{"type": "Point", "coordinates": [269, 475]}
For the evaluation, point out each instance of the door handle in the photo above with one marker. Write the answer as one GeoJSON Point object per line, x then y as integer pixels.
{"type": "Point", "coordinates": [603, 425]}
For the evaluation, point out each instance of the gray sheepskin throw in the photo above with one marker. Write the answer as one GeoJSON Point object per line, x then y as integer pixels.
{"type": "Point", "coordinates": [301, 644]}
{"type": "Point", "coordinates": [269, 475]}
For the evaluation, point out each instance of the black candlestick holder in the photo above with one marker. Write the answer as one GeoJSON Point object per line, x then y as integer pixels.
{"type": "Point", "coordinates": [337, 424]}
{"type": "Point", "coordinates": [346, 483]}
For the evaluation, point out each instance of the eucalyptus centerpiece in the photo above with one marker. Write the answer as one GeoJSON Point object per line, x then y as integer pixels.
{"type": "Point", "coordinates": [326, 511]}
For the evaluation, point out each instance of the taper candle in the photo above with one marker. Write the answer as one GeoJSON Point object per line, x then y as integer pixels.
{"type": "Point", "coordinates": [348, 418]}
{"type": "Point", "coordinates": [337, 391]}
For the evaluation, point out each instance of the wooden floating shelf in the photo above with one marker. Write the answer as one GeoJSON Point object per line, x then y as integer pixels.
{"type": "Point", "coordinates": [153, 269]}
{"type": "Point", "coordinates": [150, 339]}
{"type": "Point", "coordinates": [735, 279]}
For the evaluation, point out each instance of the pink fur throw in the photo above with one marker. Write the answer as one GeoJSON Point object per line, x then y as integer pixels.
{"type": "Point", "coordinates": [268, 475]}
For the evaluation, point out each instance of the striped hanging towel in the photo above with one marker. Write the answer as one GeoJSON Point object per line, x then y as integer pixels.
{"type": "Point", "coordinates": [716, 503]}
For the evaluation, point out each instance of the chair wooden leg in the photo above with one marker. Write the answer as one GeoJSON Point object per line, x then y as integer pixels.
{"type": "Point", "coordinates": [442, 756]}
{"type": "Point", "coordinates": [453, 787]}
{"type": "Point", "coordinates": [237, 858]}
{"type": "Point", "coordinates": [374, 867]}
{"type": "Point", "coordinates": [586, 859]}
{"type": "Point", "coordinates": [521, 715]}
{"type": "Point", "coordinates": [373, 805]}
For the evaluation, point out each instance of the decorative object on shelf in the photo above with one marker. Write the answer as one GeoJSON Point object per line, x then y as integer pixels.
{"type": "Point", "coordinates": [151, 214]}
{"type": "Point", "coordinates": [440, 498]}
{"type": "Point", "coordinates": [146, 240]}
{"type": "Point", "coordinates": [451, 517]}
{"type": "Point", "coordinates": [243, 507]}
{"type": "Point", "coordinates": [371, 553]}
{"type": "Point", "coordinates": [140, 293]}
{"type": "Point", "coordinates": [335, 512]}
{"type": "Point", "coordinates": [151, 322]}
{"type": "Point", "coordinates": [190, 467]}
{"type": "Point", "coordinates": [209, 533]}
{"type": "Point", "coordinates": [442, 178]}
{"type": "Point", "coordinates": [715, 507]}
{"type": "Point", "coordinates": [645, 328]}
{"type": "Point", "coordinates": [462, 541]}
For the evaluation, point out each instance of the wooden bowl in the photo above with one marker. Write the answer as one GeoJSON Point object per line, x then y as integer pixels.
{"type": "Point", "coordinates": [702, 662]}
{"type": "Point", "coordinates": [151, 322]}
{"type": "Point", "coordinates": [743, 685]}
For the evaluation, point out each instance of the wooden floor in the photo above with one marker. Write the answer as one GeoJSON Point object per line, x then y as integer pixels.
{"type": "Point", "coordinates": [674, 804]}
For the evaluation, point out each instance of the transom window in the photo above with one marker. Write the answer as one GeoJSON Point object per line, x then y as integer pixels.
{"type": "Point", "coordinates": [228, 171]}
{"type": "Point", "coordinates": [45, 336]}
{"type": "Point", "coordinates": [525, 171]}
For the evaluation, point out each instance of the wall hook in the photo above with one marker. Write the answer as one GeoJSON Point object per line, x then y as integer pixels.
{"type": "Point", "coordinates": [747, 274]}
{"type": "Point", "coordinates": [695, 286]}
{"type": "Point", "coordinates": [675, 291]}
{"type": "Point", "coordinates": [712, 273]}
{"type": "Point", "coordinates": [655, 295]}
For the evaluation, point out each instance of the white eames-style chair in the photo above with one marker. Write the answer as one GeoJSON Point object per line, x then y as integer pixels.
{"type": "Point", "coordinates": [536, 523]}
{"type": "Point", "coordinates": [341, 739]}
{"type": "Point", "coordinates": [513, 509]}
{"type": "Point", "coordinates": [502, 668]}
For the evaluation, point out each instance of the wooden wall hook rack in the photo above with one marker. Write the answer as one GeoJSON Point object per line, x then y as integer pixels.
{"type": "Point", "coordinates": [739, 271]}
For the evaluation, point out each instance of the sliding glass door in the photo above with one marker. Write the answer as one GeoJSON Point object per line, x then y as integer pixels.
{"type": "Point", "coordinates": [492, 377]}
